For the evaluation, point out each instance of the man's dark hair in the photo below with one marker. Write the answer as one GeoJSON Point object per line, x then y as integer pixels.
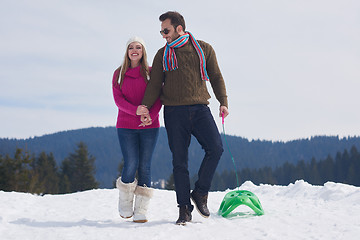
{"type": "Point", "coordinates": [175, 18]}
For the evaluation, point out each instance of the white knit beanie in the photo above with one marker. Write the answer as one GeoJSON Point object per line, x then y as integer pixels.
{"type": "Point", "coordinates": [135, 39]}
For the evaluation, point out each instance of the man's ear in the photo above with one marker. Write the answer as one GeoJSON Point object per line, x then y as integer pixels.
{"type": "Point", "coordinates": [179, 29]}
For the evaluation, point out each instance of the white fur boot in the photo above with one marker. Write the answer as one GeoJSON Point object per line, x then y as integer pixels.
{"type": "Point", "coordinates": [142, 199]}
{"type": "Point", "coordinates": [126, 197]}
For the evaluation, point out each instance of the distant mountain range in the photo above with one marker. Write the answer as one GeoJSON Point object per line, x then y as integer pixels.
{"type": "Point", "coordinates": [103, 144]}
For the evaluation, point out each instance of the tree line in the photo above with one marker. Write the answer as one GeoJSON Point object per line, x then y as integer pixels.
{"type": "Point", "coordinates": [103, 144]}
{"type": "Point", "coordinates": [345, 168]}
{"type": "Point", "coordinates": [40, 174]}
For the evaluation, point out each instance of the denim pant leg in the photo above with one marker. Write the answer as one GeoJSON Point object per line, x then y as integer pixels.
{"type": "Point", "coordinates": [148, 139]}
{"type": "Point", "coordinates": [207, 134]}
{"type": "Point", "coordinates": [137, 146]}
{"type": "Point", "coordinates": [178, 128]}
{"type": "Point", "coordinates": [129, 144]}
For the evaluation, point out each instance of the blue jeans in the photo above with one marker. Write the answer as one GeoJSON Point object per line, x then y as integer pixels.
{"type": "Point", "coordinates": [181, 122]}
{"type": "Point", "coordinates": [137, 147]}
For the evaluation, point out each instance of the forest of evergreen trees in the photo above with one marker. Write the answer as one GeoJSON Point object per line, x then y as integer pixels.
{"type": "Point", "coordinates": [345, 168]}
{"type": "Point", "coordinates": [40, 174]}
{"type": "Point", "coordinates": [103, 144]}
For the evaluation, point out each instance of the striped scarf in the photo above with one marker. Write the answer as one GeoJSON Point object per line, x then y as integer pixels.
{"type": "Point", "coordinates": [169, 58]}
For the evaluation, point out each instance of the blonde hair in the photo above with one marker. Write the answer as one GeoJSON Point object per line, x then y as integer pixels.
{"type": "Point", "coordinates": [144, 69]}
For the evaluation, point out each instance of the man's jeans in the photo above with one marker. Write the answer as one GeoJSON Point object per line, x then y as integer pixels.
{"type": "Point", "coordinates": [181, 122]}
{"type": "Point", "coordinates": [137, 147]}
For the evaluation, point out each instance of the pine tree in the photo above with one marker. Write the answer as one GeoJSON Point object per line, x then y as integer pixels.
{"type": "Point", "coordinates": [353, 175]}
{"type": "Point", "coordinates": [268, 177]}
{"type": "Point", "coordinates": [314, 177]}
{"type": "Point", "coordinates": [285, 174]}
{"type": "Point", "coordinates": [66, 171]}
{"type": "Point", "coordinates": [22, 180]}
{"type": "Point", "coordinates": [300, 170]}
{"type": "Point", "coordinates": [327, 170]}
{"type": "Point", "coordinates": [79, 169]}
{"type": "Point", "coordinates": [342, 166]}
{"type": "Point", "coordinates": [47, 172]}
{"type": "Point", "coordinates": [7, 171]}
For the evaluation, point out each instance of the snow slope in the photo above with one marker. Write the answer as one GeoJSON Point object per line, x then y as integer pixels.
{"type": "Point", "coordinates": [296, 211]}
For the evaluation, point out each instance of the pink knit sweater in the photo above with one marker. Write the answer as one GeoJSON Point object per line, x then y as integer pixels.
{"type": "Point", "coordinates": [129, 97]}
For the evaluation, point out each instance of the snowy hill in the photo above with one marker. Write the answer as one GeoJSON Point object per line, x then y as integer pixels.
{"type": "Point", "coordinates": [296, 211]}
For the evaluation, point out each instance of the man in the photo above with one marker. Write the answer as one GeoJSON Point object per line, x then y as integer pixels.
{"type": "Point", "coordinates": [179, 74]}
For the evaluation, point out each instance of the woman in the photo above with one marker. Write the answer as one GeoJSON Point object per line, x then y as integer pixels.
{"type": "Point", "coordinates": [137, 139]}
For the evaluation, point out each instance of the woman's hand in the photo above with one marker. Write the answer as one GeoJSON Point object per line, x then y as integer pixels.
{"type": "Point", "coordinates": [145, 120]}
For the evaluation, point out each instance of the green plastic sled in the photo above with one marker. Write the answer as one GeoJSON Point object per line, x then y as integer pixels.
{"type": "Point", "coordinates": [236, 198]}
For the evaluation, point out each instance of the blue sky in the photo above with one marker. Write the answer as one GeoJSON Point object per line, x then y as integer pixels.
{"type": "Point", "coordinates": [292, 68]}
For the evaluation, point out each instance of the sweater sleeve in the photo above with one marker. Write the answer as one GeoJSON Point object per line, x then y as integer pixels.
{"type": "Point", "coordinates": [119, 98]}
{"type": "Point", "coordinates": [216, 79]}
{"type": "Point", "coordinates": [155, 109]}
{"type": "Point", "coordinates": [154, 86]}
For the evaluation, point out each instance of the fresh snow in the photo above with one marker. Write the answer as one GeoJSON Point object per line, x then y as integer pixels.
{"type": "Point", "coordinates": [296, 211]}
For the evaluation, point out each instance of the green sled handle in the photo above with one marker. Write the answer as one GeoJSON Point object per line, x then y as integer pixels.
{"type": "Point", "coordinates": [236, 198]}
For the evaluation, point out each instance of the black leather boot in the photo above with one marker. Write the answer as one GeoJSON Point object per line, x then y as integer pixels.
{"type": "Point", "coordinates": [184, 214]}
{"type": "Point", "coordinates": [200, 201]}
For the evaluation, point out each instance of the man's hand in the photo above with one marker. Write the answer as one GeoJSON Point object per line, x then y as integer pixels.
{"type": "Point", "coordinates": [223, 111]}
{"type": "Point", "coordinates": [142, 110]}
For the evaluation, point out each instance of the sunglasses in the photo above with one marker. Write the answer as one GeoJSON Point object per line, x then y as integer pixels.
{"type": "Point", "coordinates": [165, 31]}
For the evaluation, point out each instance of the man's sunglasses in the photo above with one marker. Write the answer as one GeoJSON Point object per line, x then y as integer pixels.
{"type": "Point", "coordinates": [165, 31]}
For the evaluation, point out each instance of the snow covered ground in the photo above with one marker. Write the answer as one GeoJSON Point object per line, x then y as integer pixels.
{"type": "Point", "coordinates": [296, 211]}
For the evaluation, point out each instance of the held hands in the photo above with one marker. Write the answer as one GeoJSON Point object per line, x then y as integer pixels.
{"type": "Point", "coordinates": [142, 110]}
{"type": "Point", "coordinates": [223, 110]}
{"type": "Point", "coordinates": [145, 120]}
{"type": "Point", "coordinates": [145, 116]}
